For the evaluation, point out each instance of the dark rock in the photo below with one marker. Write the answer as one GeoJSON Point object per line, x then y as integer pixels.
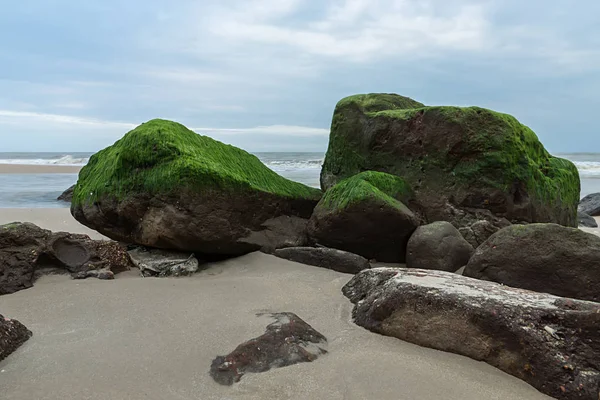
{"type": "Point", "coordinates": [287, 341]}
{"type": "Point", "coordinates": [28, 251]}
{"type": "Point", "coordinates": [365, 215]}
{"type": "Point", "coordinates": [439, 246]}
{"type": "Point", "coordinates": [278, 233]}
{"type": "Point", "coordinates": [546, 258]}
{"type": "Point", "coordinates": [586, 220]}
{"type": "Point", "coordinates": [480, 231]}
{"type": "Point", "coordinates": [67, 195]}
{"type": "Point", "coordinates": [12, 335]}
{"type": "Point", "coordinates": [337, 260]}
{"type": "Point", "coordinates": [164, 186]}
{"type": "Point", "coordinates": [552, 343]}
{"type": "Point", "coordinates": [454, 158]}
{"type": "Point", "coordinates": [156, 262]}
{"type": "Point", "coordinates": [590, 205]}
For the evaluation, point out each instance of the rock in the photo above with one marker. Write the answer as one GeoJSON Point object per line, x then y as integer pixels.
{"type": "Point", "coordinates": [278, 233]}
{"type": "Point", "coordinates": [12, 335]}
{"type": "Point", "coordinates": [337, 260]}
{"type": "Point", "coordinates": [552, 343]}
{"type": "Point", "coordinates": [156, 262]}
{"type": "Point", "coordinates": [67, 195]}
{"type": "Point", "coordinates": [28, 251]}
{"type": "Point", "coordinates": [480, 231]}
{"type": "Point", "coordinates": [287, 341]}
{"type": "Point", "coordinates": [164, 186]}
{"type": "Point", "coordinates": [590, 205]}
{"type": "Point", "coordinates": [465, 159]}
{"type": "Point", "coordinates": [365, 215]}
{"type": "Point", "coordinates": [546, 258]}
{"type": "Point", "coordinates": [439, 246]}
{"type": "Point", "coordinates": [586, 220]}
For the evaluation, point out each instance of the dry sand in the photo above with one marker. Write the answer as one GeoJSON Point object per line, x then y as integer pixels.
{"type": "Point", "coordinates": [38, 169]}
{"type": "Point", "coordinates": [154, 339]}
{"type": "Point", "coordinates": [55, 219]}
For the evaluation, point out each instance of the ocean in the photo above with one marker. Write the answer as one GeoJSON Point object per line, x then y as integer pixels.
{"type": "Point", "coordinates": [41, 190]}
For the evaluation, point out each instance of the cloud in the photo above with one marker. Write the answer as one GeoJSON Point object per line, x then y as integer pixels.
{"type": "Point", "coordinates": [34, 117]}
{"type": "Point", "coordinates": [279, 130]}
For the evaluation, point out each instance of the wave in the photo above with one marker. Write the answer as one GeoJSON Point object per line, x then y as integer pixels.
{"type": "Point", "coordinates": [292, 165]}
{"type": "Point", "coordinates": [67, 160]}
{"type": "Point", "coordinates": [588, 168]}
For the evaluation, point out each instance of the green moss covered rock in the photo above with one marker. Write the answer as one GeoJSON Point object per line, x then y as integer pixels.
{"type": "Point", "coordinates": [455, 159]}
{"type": "Point", "coordinates": [162, 185]}
{"type": "Point", "coordinates": [366, 215]}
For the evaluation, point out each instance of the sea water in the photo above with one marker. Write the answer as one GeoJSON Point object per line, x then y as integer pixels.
{"type": "Point", "coordinates": [41, 190]}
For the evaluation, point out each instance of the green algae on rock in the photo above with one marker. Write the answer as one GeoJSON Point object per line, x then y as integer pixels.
{"type": "Point", "coordinates": [366, 215]}
{"type": "Point", "coordinates": [164, 186]}
{"type": "Point", "coordinates": [454, 158]}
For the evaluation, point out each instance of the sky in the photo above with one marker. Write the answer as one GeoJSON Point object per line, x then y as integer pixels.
{"type": "Point", "coordinates": [265, 75]}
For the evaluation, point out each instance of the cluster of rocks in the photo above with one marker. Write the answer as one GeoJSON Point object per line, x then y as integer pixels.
{"type": "Point", "coordinates": [440, 189]}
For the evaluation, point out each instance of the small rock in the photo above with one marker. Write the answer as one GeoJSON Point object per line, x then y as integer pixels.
{"type": "Point", "coordinates": [586, 220]}
{"type": "Point", "coordinates": [161, 263]}
{"type": "Point", "coordinates": [590, 205]}
{"type": "Point", "coordinates": [337, 260]}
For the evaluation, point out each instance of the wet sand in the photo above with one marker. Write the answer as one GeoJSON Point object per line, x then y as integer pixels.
{"type": "Point", "coordinates": [38, 169]}
{"type": "Point", "coordinates": [154, 339]}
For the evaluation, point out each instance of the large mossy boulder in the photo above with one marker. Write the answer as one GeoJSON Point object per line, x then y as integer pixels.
{"type": "Point", "coordinates": [543, 257]}
{"type": "Point", "coordinates": [164, 186]}
{"type": "Point", "coordinates": [457, 160]}
{"type": "Point", "coordinates": [366, 215]}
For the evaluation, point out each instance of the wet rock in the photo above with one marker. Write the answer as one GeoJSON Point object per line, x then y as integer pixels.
{"type": "Point", "coordinates": [67, 195]}
{"type": "Point", "coordinates": [590, 205]}
{"type": "Point", "coordinates": [439, 246]}
{"type": "Point", "coordinates": [546, 258]}
{"type": "Point", "coordinates": [337, 260]}
{"type": "Point", "coordinates": [156, 262]}
{"type": "Point", "coordinates": [586, 221]}
{"type": "Point", "coordinates": [550, 342]}
{"type": "Point", "coordinates": [287, 341]}
{"type": "Point", "coordinates": [12, 335]}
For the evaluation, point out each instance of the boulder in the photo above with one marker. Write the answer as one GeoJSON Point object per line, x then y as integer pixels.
{"type": "Point", "coordinates": [277, 233]}
{"type": "Point", "coordinates": [590, 205]}
{"type": "Point", "coordinates": [458, 161]}
{"type": "Point", "coordinates": [67, 195]}
{"type": "Point", "coordinates": [337, 260]}
{"type": "Point", "coordinates": [287, 341]}
{"type": "Point", "coordinates": [439, 246]}
{"type": "Point", "coordinates": [550, 342]}
{"type": "Point", "coordinates": [586, 220]}
{"type": "Point", "coordinates": [164, 186]}
{"type": "Point", "coordinates": [28, 251]}
{"type": "Point", "coordinates": [480, 231]}
{"type": "Point", "coordinates": [156, 262]}
{"type": "Point", "coordinates": [12, 335]}
{"type": "Point", "coordinates": [365, 215]}
{"type": "Point", "coordinates": [543, 257]}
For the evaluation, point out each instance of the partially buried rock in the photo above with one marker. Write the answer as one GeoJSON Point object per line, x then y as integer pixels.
{"type": "Point", "coordinates": [67, 195]}
{"type": "Point", "coordinates": [156, 262]}
{"type": "Point", "coordinates": [289, 340]}
{"type": "Point", "coordinates": [337, 260]}
{"type": "Point", "coordinates": [543, 257]}
{"type": "Point", "coordinates": [454, 158]}
{"type": "Point", "coordinates": [164, 186]}
{"type": "Point", "coordinates": [439, 246]}
{"type": "Point", "coordinates": [552, 343]}
{"type": "Point", "coordinates": [480, 231]}
{"type": "Point", "coordinates": [12, 335]}
{"type": "Point", "coordinates": [28, 251]}
{"type": "Point", "coordinates": [366, 215]}
{"type": "Point", "coordinates": [590, 205]}
{"type": "Point", "coordinates": [586, 221]}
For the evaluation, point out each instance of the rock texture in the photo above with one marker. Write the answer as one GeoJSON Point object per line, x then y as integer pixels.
{"type": "Point", "coordinates": [552, 343]}
{"type": "Point", "coordinates": [337, 260]}
{"type": "Point", "coordinates": [365, 215]}
{"type": "Point", "coordinates": [278, 233]}
{"type": "Point", "coordinates": [67, 195]}
{"type": "Point", "coordinates": [26, 251]}
{"type": "Point", "coordinates": [12, 335]}
{"type": "Point", "coordinates": [586, 220]}
{"type": "Point", "coordinates": [590, 205]}
{"type": "Point", "coordinates": [287, 341]}
{"type": "Point", "coordinates": [458, 161]}
{"type": "Point", "coordinates": [161, 263]}
{"type": "Point", "coordinates": [439, 246]}
{"type": "Point", "coordinates": [167, 187]}
{"type": "Point", "coordinates": [546, 258]}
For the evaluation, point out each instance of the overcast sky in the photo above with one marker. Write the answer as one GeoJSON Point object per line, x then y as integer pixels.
{"type": "Point", "coordinates": [265, 75]}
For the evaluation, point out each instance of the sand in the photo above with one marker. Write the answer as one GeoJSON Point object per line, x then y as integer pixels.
{"type": "Point", "coordinates": [38, 169]}
{"type": "Point", "coordinates": [55, 219]}
{"type": "Point", "coordinates": [154, 339]}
